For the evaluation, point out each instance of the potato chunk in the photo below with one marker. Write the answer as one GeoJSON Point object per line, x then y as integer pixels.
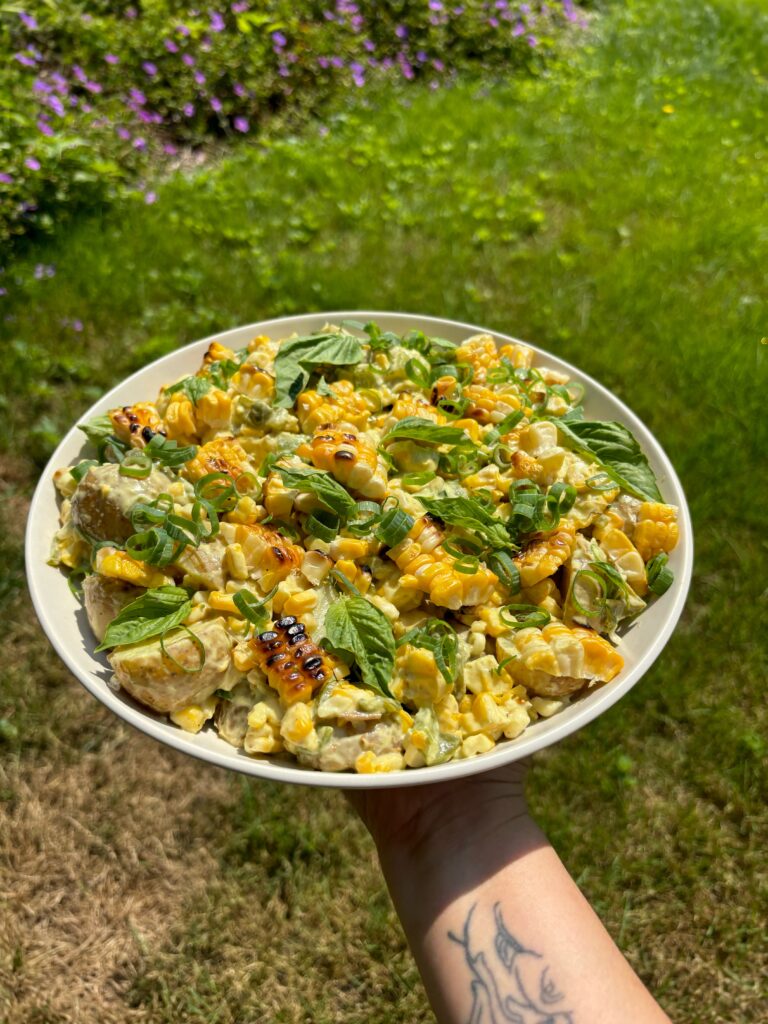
{"type": "Point", "coordinates": [153, 679]}
{"type": "Point", "coordinates": [104, 599]}
{"type": "Point", "coordinates": [104, 498]}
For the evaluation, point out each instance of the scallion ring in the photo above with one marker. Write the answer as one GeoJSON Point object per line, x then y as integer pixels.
{"type": "Point", "coordinates": [196, 641]}
{"type": "Point", "coordinates": [136, 464]}
{"type": "Point", "coordinates": [253, 608]}
{"type": "Point", "coordinates": [418, 373]}
{"type": "Point", "coordinates": [467, 564]}
{"type": "Point", "coordinates": [323, 524]}
{"type": "Point", "coordinates": [417, 479]}
{"type": "Point", "coordinates": [394, 526]}
{"type": "Point", "coordinates": [660, 577]}
{"type": "Point", "coordinates": [532, 616]}
{"type": "Point", "coordinates": [599, 601]}
{"type": "Point", "coordinates": [503, 565]}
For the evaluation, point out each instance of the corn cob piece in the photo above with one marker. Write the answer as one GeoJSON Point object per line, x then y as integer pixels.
{"type": "Point", "coordinates": [351, 459]}
{"type": "Point", "coordinates": [480, 353]}
{"type": "Point", "coordinates": [346, 406]}
{"type": "Point", "coordinates": [544, 555]}
{"type": "Point", "coordinates": [136, 424]}
{"type": "Point", "coordinates": [215, 353]}
{"type": "Point", "coordinates": [624, 555]}
{"type": "Point", "coordinates": [268, 556]}
{"type": "Point", "coordinates": [293, 663]}
{"type": "Point", "coordinates": [407, 404]}
{"type": "Point", "coordinates": [224, 455]}
{"type": "Point", "coordinates": [656, 529]}
{"type": "Point", "coordinates": [180, 421]}
{"type": "Point", "coordinates": [428, 567]}
{"type": "Point", "coordinates": [485, 405]}
{"type": "Point", "coordinates": [556, 661]}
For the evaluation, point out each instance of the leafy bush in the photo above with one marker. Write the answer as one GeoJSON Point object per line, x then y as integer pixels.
{"type": "Point", "coordinates": [93, 92]}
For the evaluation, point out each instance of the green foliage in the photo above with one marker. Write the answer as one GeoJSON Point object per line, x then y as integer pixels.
{"type": "Point", "coordinates": [94, 94]}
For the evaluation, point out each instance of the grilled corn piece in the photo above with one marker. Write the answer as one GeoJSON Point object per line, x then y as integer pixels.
{"type": "Point", "coordinates": [556, 661]}
{"type": "Point", "coordinates": [351, 459]}
{"type": "Point", "coordinates": [656, 529]}
{"type": "Point", "coordinates": [136, 424]}
{"type": "Point", "coordinates": [293, 663]}
{"type": "Point", "coordinates": [224, 455]}
{"type": "Point", "coordinates": [544, 555]}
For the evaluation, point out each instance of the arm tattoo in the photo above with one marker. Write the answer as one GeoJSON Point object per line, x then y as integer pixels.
{"type": "Point", "coordinates": [512, 987]}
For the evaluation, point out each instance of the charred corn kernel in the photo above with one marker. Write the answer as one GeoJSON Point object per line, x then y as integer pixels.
{"type": "Point", "coordinates": [216, 353]}
{"type": "Point", "coordinates": [180, 424]}
{"type": "Point", "coordinates": [234, 560]}
{"type": "Point", "coordinates": [194, 717]}
{"type": "Point", "coordinates": [368, 763]}
{"type": "Point", "coordinates": [213, 410]}
{"type": "Point", "coordinates": [268, 555]}
{"type": "Point", "coordinates": [344, 405]}
{"type": "Point", "coordinates": [421, 557]}
{"type": "Point", "coordinates": [224, 455]}
{"type": "Point", "coordinates": [656, 529]}
{"type": "Point", "coordinates": [298, 725]}
{"type": "Point", "coordinates": [481, 353]}
{"type": "Point", "coordinates": [120, 566]}
{"type": "Point", "coordinates": [544, 555]}
{"type": "Point", "coordinates": [520, 356]}
{"type": "Point", "coordinates": [254, 382]}
{"type": "Point", "coordinates": [136, 424]}
{"type": "Point", "coordinates": [351, 459]}
{"type": "Point", "coordinates": [222, 602]}
{"type": "Point", "coordinates": [625, 556]}
{"type": "Point", "coordinates": [478, 744]}
{"type": "Point", "coordinates": [537, 437]}
{"type": "Point", "coordinates": [524, 467]}
{"type": "Point", "coordinates": [293, 663]}
{"type": "Point", "coordinates": [407, 404]}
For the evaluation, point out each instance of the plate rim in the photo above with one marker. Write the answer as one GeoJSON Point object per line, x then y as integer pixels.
{"type": "Point", "coordinates": [504, 752]}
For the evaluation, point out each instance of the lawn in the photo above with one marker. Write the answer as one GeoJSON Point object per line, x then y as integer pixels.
{"type": "Point", "coordinates": [612, 210]}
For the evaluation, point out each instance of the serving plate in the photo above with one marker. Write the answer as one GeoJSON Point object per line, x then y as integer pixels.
{"type": "Point", "coordinates": [63, 618]}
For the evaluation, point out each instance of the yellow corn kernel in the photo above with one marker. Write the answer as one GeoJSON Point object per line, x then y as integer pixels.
{"type": "Point", "coordinates": [481, 353]}
{"type": "Point", "coordinates": [194, 717]}
{"type": "Point", "coordinates": [120, 566]}
{"type": "Point", "coordinates": [216, 353]}
{"type": "Point", "coordinates": [348, 547]}
{"type": "Point", "coordinates": [355, 574]}
{"type": "Point", "coordinates": [235, 563]}
{"type": "Point", "coordinates": [222, 602]}
{"type": "Point", "coordinates": [298, 724]}
{"type": "Point", "coordinates": [656, 529]}
{"type": "Point", "coordinates": [478, 744]}
{"type": "Point", "coordinates": [213, 409]}
{"type": "Point", "coordinates": [418, 681]}
{"type": "Point", "coordinates": [471, 427]}
{"type": "Point", "coordinates": [180, 422]}
{"type": "Point", "coordinates": [301, 604]}
{"type": "Point", "coordinates": [520, 356]}
{"type": "Point", "coordinates": [625, 556]}
{"type": "Point", "coordinates": [351, 459]}
{"type": "Point", "coordinates": [224, 455]}
{"type": "Point", "coordinates": [245, 511]}
{"type": "Point", "coordinates": [244, 658]}
{"type": "Point", "coordinates": [368, 763]}
{"type": "Point", "coordinates": [254, 382]}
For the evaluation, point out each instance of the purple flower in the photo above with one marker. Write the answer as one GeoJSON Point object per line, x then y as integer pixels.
{"type": "Point", "coordinates": [216, 104]}
{"type": "Point", "coordinates": [140, 142]}
{"type": "Point", "coordinates": [93, 87]}
{"type": "Point", "coordinates": [170, 46]}
{"type": "Point", "coordinates": [406, 69]}
{"type": "Point", "coordinates": [188, 110]}
{"type": "Point", "coordinates": [532, 41]}
{"type": "Point", "coordinates": [240, 7]}
{"type": "Point", "coordinates": [337, 62]}
{"type": "Point", "coordinates": [369, 45]}
{"type": "Point", "coordinates": [130, 13]}
{"type": "Point", "coordinates": [6, 179]}
{"type": "Point", "coordinates": [32, 163]}
{"type": "Point", "coordinates": [27, 21]}
{"type": "Point", "coordinates": [519, 29]}
{"type": "Point", "coordinates": [239, 90]}
{"type": "Point", "coordinates": [149, 68]}
{"type": "Point", "coordinates": [401, 32]}
{"type": "Point", "coordinates": [123, 133]}
{"type": "Point", "coordinates": [4, 291]}
{"type": "Point", "coordinates": [199, 77]}
{"type": "Point", "coordinates": [145, 117]}
{"type": "Point", "coordinates": [188, 59]}
{"type": "Point", "coordinates": [23, 58]}
{"type": "Point", "coordinates": [438, 65]}
{"type": "Point", "coordinates": [241, 124]}
{"type": "Point", "coordinates": [283, 71]}
{"type": "Point", "coordinates": [422, 57]}
{"type": "Point", "coordinates": [87, 108]}
{"type": "Point", "coordinates": [493, 22]}
{"type": "Point", "coordinates": [435, 5]}
{"type": "Point", "coordinates": [111, 58]}
{"type": "Point", "coordinates": [40, 86]}
{"type": "Point", "coordinates": [59, 83]}
{"type": "Point", "coordinates": [56, 105]}
{"type": "Point", "coordinates": [150, 197]}
{"type": "Point", "coordinates": [323, 62]}
{"type": "Point", "coordinates": [169, 149]}
{"type": "Point", "coordinates": [138, 97]}
{"type": "Point", "coordinates": [501, 5]}
{"type": "Point", "coordinates": [278, 40]}
{"type": "Point", "coordinates": [217, 22]}
{"type": "Point", "coordinates": [182, 30]}
{"type": "Point", "coordinates": [79, 74]}
{"type": "Point", "coordinates": [77, 325]}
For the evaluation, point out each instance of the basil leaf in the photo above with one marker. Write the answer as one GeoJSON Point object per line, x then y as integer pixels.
{"type": "Point", "coordinates": [357, 627]}
{"type": "Point", "coordinates": [614, 447]}
{"type": "Point", "coordinates": [298, 356]}
{"type": "Point", "coordinates": [416, 428]}
{"type": "Point", "coordinates": [97, 430]}
{"type": "Point", "coordinates": [193, 387]}
{"type": "Point", "coordinates": [152, 614]}
{"type": "Point", "coordinates": [328, 492]}
{"type": "Point", "coordinates": [469, 514]}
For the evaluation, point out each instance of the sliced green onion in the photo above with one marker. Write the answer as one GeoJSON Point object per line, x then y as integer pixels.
{"type": "Point", "coordinates": [503, 565]}
{"type": "Point", "coordinates": [418, 373]}
{"type": "Point", "coordinates": [323, 524]}
{"type": "Point", "coordinates": [459, 547]}
{"type": "Point", "coordinates": [660, 578]}
{"type": "Point", "coordinates": [78, 472]}
{"type": "Point", "coordinates": [509, 422]}
{"type": "Point", "coordinates": [601, 482]}
{"type": "Point", "coordinates": [503, 664]}
{"type": "Point", "coordinates": [344, 582]}
{"type": "Point", "coordinates": [394, 526]}
{"type": "Point", "coordinates": [217, 489]}
{"type": "Point", "coordinates": [597, 580]}
{"type": "Point", "coordinates": [453, 406]}
{"type": "Point", "coordinates": [170, 453]}
{"type": "Point", "coordinates": [532, 616]}
{"type": "Point", "coordinates": [136, 464]}
{"type": "Point", "coordinates": [467, 564]}
{"type": "Point", "coordinates": [371, 395]}
{"type": "Point", "coordinates": [497, 375]}
{"type": "Point", "coordinates": [580, 390]}
{"type": "Point", "coordinates": [251, 607]}
{"type": "Point", "coordinates": [197, 642]}
{"type": "Point", "coordinates": [502, 456]}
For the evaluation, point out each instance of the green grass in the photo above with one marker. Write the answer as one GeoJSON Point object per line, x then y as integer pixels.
{"type": "Point", "coordinates": [571, 210]}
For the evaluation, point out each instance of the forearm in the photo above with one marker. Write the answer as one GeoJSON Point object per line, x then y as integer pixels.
{"type": "Point", "coordinates": [501, 933]}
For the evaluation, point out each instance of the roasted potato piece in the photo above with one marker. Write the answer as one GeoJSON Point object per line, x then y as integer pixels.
{"type": "Point", "coordinates": [104, 599]}
{"type": "Point", "coordinates": [153, 679]}
{"type": "Point", "coordinates": [104, 497]}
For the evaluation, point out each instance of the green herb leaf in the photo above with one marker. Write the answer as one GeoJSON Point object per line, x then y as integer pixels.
{"type": "Point", "coordinates": [355, 626]}
{"type": "Point", "coordinates": [193, 387]}
{"type": "Point", "coordinates": [614, 447]}
{"type": "Point", "coordinates": [297, 357]}
{"type": "Point", "coordinates": [97, 430]}
{"type": "Point", "coordinates": [469, 514]}
{"type": "Point", "coordinates": [153, 614]}
{"type": "Point", "coordinates": [328, 491]}
{"type": "Point", "coordinates": [416, 428]}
